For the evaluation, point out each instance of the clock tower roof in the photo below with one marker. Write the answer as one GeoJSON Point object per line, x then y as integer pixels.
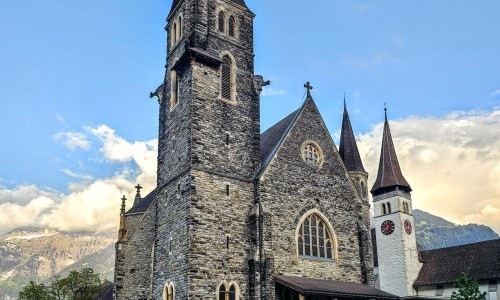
{"type": "Point", "coordinates": [389, 176]}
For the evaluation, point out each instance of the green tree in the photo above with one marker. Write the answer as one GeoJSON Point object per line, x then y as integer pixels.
{"type": "Point", "coordinates": [468, 289]}
{"type": "Point", "coordinates": [34, 291]}
{"type": "Point", "coordinates": [78, 285]}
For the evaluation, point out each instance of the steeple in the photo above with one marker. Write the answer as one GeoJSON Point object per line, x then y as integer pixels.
{"type": "Point", "coordinates": [348, 148]}
{"type": "Point", "coordinates": [122, 231]}
{"type": "Point", "coordinates": [389, 176]}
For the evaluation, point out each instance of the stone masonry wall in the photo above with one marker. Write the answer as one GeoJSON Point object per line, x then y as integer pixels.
{"type": "Point", "coordinates": [133, 257]}
{"type": "Point", "coordinates": [290, 188]}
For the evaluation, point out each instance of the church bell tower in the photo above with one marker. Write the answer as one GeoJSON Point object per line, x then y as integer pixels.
{"type": "Point", "coordinates": [209, 143]}
{"type": "Point", "coordinates": [394, 225]}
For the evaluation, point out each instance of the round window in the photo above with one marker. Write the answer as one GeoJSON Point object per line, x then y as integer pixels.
{"type": "Point", "coordinates": [311, 154]}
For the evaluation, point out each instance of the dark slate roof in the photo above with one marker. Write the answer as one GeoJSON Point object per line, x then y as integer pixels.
{"type": "Point", "coordinates": [348, 149]}
{"type": "Point", "coordinates": [144, 204]}
{"type": "Point", "coordinates": [332, 288]}
{"type": "Point", "coordinates": [389, 176]}
{"type": "Point", "coordinates": [479, 261]}
{"type": "Point", "coordinates": [107, 293]}
{"type": "Point", "coordinates": [270, 139]}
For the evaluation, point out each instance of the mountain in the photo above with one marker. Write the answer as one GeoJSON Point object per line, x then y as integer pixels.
{"type": "Point", "coordinates": [434, 232]}
{"type": "Point", "coordinates": [39, 254]}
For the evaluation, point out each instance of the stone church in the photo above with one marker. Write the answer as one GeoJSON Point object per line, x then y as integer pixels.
{"type": "Point", "coordinates": [237, 214]}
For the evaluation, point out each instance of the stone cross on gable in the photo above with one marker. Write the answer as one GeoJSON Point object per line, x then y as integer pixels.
{"type": "Point", "coordinates": [138, 187]}
{"type": "Point", "coordinates": [309, 87]}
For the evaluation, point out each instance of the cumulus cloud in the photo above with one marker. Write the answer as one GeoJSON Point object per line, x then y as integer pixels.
{"type": "Point", "coordinates": [91, 204]}
{"type": "Point", "coordinates": [495, 93]}
{"type": "Point", "coordinates": [452, 163]}
{"type": "Point", "coordinates": [73, 140]}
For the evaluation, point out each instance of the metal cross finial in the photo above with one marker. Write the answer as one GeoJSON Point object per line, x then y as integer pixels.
{"type": "Point", "coordinates": [138, 187]}
{"type": "Point", "coordinates": [123, 203]}
{"type": "Point", "coordinates": [309, 87]}
{"type": "Point", "coordinates": [385, 110]}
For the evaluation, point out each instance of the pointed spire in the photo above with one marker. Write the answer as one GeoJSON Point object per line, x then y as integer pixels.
{"type": "Point", "coordinates": [137, 198]}
{"type": "Point", "coordinates": [348, 148]}
{"type": "Point", "coordinates": [122, 231]}
{"type": "Point", "coordinates": [389, 176]}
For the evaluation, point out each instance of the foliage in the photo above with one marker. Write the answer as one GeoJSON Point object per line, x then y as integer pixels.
{"type": "Point", "coordinates": [82, 285]}
{"type": "Point", "coordinates": [468, 289]}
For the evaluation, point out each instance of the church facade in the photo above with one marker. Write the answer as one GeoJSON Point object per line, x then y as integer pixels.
{"type": "Point", "coordinates": [237, 214]}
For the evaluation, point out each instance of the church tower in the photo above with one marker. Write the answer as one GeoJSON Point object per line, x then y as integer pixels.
{"type": "Point", "coordinates": [209, 144]}
{"type": "Point", "coordinates": [393, 221]}
{"type": "Point", "coordinates": [348, 150]}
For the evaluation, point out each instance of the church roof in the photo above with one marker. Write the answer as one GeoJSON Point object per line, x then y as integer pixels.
{"type": "Point", "coordinates": [107, 293]}
{"type": "Point", "coordinates": [312, 286]}
{"type": "Point", "coordinates": [478, 260]}
{"type": "Point", "coordinates": [348, 148]}
{"type": "Point", "coordinates": [144, 203]}
{"type": "Point", "coordinates": [271, 138]}
{"type": "Point", "coordinates": [389, 174]}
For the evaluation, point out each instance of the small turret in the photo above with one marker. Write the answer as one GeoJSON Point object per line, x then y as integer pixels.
{"type": "Point", "coordinates": [122, 231]}
{"type": "Point", "coordinates": [349, 153]}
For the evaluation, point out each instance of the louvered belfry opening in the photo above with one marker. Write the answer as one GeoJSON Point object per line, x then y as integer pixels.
{"type": "Point", "coordinates": [226, 78]}
{"type": "Point", "coordinates": [231, 26]}
{"type": "Point", "coordinates": [221, 21]}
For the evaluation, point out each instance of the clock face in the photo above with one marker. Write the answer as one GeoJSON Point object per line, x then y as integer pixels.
{"type": "Point", "coordinates": [387, 227]}
{"type": "Point", "coordinates": [408, 227]}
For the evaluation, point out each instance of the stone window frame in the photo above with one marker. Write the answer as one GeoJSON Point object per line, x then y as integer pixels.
{"type": "Point", "coordinates": [233, 75]}
{"type": "Point", "coordinates": [328, 228]}
{"type": "Point", "coordinates": [227, 286]}
{"type": "Point", "coordinates": [227, 15]}
{"type": "Point", "coordinates": [174, 89]}
{"type": "Point", "coordinates": [169, 291]}
{"type": "Point", "coordinates": [176, 30]}
{"type": "Point", "coordinates": [321, 155]}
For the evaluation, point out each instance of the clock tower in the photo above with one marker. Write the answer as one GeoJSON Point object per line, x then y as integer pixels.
{"type": "Point", "coordinates": [394, 225]}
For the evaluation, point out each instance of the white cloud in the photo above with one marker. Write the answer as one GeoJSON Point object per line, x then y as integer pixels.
{"type": "Point", "coordinates": [90, 204]}
{"type": "Point", "coordinates": [266, 91]}
{"type": "Point", "coordinates": [73, 140]}
{"type": "Point", "coordinates": [61, 120]}
{"type": "Point", "coordinates": [76, 175]}
{"type": "Point", "coordinates": [495, 93]}
{"type": "Point", "coordinates": [452, 163]}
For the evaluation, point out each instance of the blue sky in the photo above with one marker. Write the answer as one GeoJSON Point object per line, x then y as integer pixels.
{"type": "Point", "coordinates": [67, 67]}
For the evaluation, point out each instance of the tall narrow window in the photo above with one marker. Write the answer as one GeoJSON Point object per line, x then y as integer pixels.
{"type": "Point", "coordinates": [168, 291]}
{"type": "Point", "coordinates": [222, 292]}
{"type": "Point", "coordinates": [383, 209]}
{"type": "Point", "coordinates": [174, 89]}
{"type": "Point", "coordinates": [231, 26]}
{"type": "Point", "coordinates": [388, 208]}
{"type": "Point", "coordinates": [232, 292]}
{"type": "Point", "coordinates": [179, 35]}
{"type": "Point", "coordinates": [174, 34]}
{"type": "Point", "coordinates": [226, 85]}
{"type": "Point", "coordinates": [222, 20]}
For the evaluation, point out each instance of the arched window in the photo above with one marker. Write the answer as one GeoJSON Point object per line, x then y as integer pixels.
{"type": "Point", "coordinates": [174, 88]}
{"type": "Point", "coordinates": [173, 34]}
{"type": "Point", "coordinates": [231, 27]}
{"type": "Point", "coordinates": [227, 291]}
{"type": "Point", "coordinates": [226, 80]}
{"type": "Point", "coordinates": [388, 208]}
{"type": "Point", "coordinates": [221, 22]}
{"type": "Point", "coordinates": [169, 291]}
{"type": "Point", "coordinates": [363, 189]}
{"type": "Point", "coordinates": [383, 209]}
{"type": "Point", "coordinates": [314, 238]}
{"type": "Point", "coordinates": [180, 28]}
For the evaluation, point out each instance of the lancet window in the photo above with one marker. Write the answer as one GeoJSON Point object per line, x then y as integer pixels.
{"type": "Point", "coordinates": [314, 238]}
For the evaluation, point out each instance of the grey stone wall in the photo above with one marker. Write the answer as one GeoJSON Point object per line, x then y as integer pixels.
{"type": "Point", "coordinates": [290, 188]}
{"type": "Point", "coordinates": [133, 257]}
